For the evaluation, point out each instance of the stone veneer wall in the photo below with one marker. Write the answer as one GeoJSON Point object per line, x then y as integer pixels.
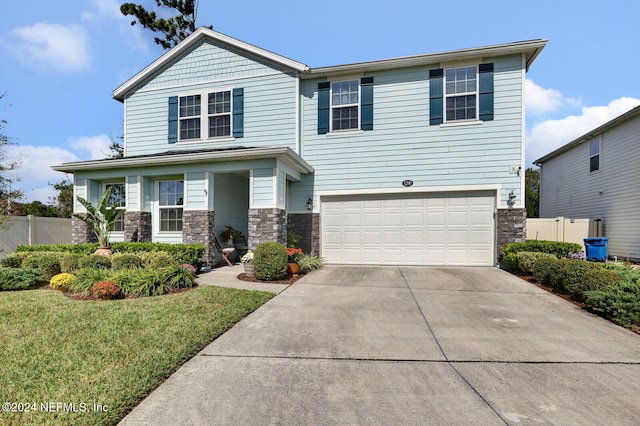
{"type": "Point", "coordinates": [198, 227]}
{"type": "Point", "coordinates": [512, 227]}
{"type": "Point", "coordinates": [81, 233]}
{"type": "Point", "coordinates": [137, 227]}
{"type": "Point", "coordinates": [307, 225]}
{"type": "Point", "coordinates": [267, 225]}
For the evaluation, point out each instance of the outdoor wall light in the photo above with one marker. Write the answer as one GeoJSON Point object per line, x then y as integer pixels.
{"type": "Point", "coordinates": [310, 204]}
{"type": "Point", "coordinates": [512, 199]}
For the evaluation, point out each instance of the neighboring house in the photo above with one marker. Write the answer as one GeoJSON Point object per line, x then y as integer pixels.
{"type": "Point", "coordinates": [597, 176]}
{"type": "Point", "coordinates": [412, 160]}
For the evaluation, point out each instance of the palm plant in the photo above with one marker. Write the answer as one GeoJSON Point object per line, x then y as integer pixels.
{"type": "Point", "coordinates": [101, 218]}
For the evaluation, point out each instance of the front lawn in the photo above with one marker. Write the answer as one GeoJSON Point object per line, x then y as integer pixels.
{"type": "Point", "coordinates": [59, 357]}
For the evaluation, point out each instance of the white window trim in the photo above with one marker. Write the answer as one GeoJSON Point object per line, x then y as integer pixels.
{"type": "Point", "coordinates": [445, 96]}
{"type": "Point", "coordinates": [123, 207]}
{"type": "Point", "coordinates": [204, 116]}
{"type": "Point", "coordinates": [156, 205]}
{"type": "Point", "coordinates": [331, 107]}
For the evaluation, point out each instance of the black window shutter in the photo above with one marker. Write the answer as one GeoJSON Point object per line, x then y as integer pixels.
{"type": "Point", "coordinates": [486, 91]}
{"type": "Point", "coordinates": [323, 107]}
{"type": "Point", "coordinates": [238, 112]}
{"type": "Point", "coordinates": [436, 106]}
{"type": "Point", "coordinates": [173, 119]}
{"type": "Point", "coordinates": [366, 103]}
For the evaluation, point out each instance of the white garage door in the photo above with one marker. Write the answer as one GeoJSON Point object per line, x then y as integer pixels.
{"type": "Point", "coordinates": [409, 229]}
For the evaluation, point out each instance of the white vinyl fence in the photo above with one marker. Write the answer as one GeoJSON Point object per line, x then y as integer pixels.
{"type": "Point", "coordinates": [563, 229]}
{"type": "Point", "coordinates": [29, 230]}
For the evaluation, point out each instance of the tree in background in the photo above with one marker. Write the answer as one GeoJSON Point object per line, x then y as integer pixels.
{"type": "Point", "coordinates": [7, 193]}
{"type": "Point", "coordinates": [532, 191]}
{"type": "Point", "coordinates": [64, 200]}
{"type": "Point", "coordinates": [175, 29]}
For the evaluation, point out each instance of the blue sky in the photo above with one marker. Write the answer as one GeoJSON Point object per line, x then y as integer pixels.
{"type": "Point", "coordinates": [61, 61]}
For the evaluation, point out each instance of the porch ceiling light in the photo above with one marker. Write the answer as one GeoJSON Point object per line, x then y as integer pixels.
{"type": "Point", "coordinates": [310, 204]}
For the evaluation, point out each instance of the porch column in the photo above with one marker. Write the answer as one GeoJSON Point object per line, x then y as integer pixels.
{"type": "Point", "coordinates": [512, 228]}
{"type": "Point", "coordinates": [198, 227]}
{"type": "Point", "coordinates": [137, 226]}
{"type": "Point", "coordinates": [81, 233]}
{"type": "Point", "coordinates": [267, 225]}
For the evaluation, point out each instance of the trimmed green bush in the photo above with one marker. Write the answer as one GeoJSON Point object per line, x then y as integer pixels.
{"type": "Point", "coordinates": [309, 262]}
{"type": "Point", "coordinates": [528, 259]}
{"type": "Point", "coordinates": [20, 279]}
{"type": "Point", "coordinates": [599, 279]}
{"type": "Point", "coordinates": [159, 260]}
{"type": "Point", "coordinates": [508, 252]}
{"type": "Point", "coordinates": [96, 261]}
{"type": "Point", "coordinates": [46, 262]}
{"type": "Point", "coordinates": [620, 304]}
{"type": "Point", "coordinates": [125, 261]}
{"type": "Point", "coordinates": [545, 268]}
{"type": "Point", "coordinates": [270, 261]}
{"type": "Point", "coordinates": [70, 262]}
{"type": "Point", "coordinates": [573, 276]}
{"type": "Point", "coordinates": [14, 260]}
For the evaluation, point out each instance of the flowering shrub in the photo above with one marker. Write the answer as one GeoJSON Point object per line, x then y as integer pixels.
{"type": "Point", "coordinates": [188, 267]}
{"type": "Point", "coordinates": [293, 254]}
{"type": "Point", "coordinates": [104, 289]}
{"type": "Point", "coordinates": [60, 280]}
{"type": "Point", "coordinates": [247, 258]}
{"type": "Point", "coordinates": [578, 256]}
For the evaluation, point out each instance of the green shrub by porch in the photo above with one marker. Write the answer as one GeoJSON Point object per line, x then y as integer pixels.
{"type": "Point", "coordinates": [527, 260]}
{"type": "Point", "coordinates": [573, 276]}
{"type": "Point", "coordinates": [509, 258]}
{"type": "Point", "coordinates": [47, 263]}
{"type": "Point", "coordinates": [270, 261]}
{"type": "Point", "coordinates": [95, 261]}
{"type": "Point", "coordinates": [19, 279]}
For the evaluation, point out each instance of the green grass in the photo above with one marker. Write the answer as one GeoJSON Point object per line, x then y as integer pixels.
{"type": "Point", "coordinates": [112, 353]}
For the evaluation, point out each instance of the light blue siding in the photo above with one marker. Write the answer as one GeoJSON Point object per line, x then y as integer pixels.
{"type": "Point", "coordinates": [263, 188]}
{"type": "Point", "coordinates": [81, 191]}
{"type": "Point", "coordinates": [404, 146]}
{"type": "Point", "coordinates": [147, 193]}
{"type": "Point", "coordinates": [132, 194]}
{"type": "Point", "coordinates": [232, 196]}
{"type": "Point", "coordinates": [269, 114]}
{"type": "Point", "coordinates": [195, 188]}
{"type": "Point", "coordinates": [282, 188]}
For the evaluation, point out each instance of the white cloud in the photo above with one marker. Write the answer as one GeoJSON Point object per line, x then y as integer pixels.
{"type": "Point", "coordinates": [110, 10]}
{"type": "Point", "coordinates": [540, 101]}
{"type": "Point", "coordinates": [34, 172]}
{"type": "Point", "coordinates": [46, 47]}
{"type": "Point", "coordinates": [549, 135]}
{"type": "Point", "coordinates": [96, 146]}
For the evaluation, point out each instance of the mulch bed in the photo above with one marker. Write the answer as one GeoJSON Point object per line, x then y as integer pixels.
{"type": "Point", "coordinates": [251, 278]}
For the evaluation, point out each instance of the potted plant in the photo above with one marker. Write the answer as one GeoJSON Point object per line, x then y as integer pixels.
{"type": "Point", "coordinates": [293, 254]}
{"type": "Point", "coordinates": [101, 219]}
{"type": "Point", "coordinates": [229, 234]}
{"type": "Point", "coordinates": [105, 290]}
{"type": "Point", "coordinates": [247, 262]}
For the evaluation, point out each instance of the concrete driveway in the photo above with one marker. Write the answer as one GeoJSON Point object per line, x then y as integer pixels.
{"type": "Point", "coordinates": [408, 345]}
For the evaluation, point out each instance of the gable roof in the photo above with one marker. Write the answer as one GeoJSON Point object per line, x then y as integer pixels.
{"type": "Point", "coordinates": [200, 34]}
{"type": "Point", "coordinates": [530, 48]}
{"type": "Point", "coordinates": [588, 136]}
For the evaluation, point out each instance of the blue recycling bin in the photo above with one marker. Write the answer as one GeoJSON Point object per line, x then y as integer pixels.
{"type": "Point", "coordinates": [596, 248]}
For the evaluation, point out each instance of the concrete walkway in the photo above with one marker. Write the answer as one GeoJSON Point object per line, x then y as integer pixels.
{"type": "Point", "coordinates": [408, 345]}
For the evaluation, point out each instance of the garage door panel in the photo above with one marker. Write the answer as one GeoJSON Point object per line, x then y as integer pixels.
{"type": "Point", "coordinates": [417, 229]}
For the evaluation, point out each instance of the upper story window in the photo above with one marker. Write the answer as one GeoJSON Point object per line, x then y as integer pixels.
{"type": "Point", "coordinates": [117, 197]}
{"type": "Point", "coordinates": [461, 93]}
{"type": "Point", "coordinates": [594, 154]}
{"type": "Point", "coordinates": [206, 115]}
{"type": "Point", "coordinates": [345, 103]}
{"type": "Point", "coordinates": [170, 204]}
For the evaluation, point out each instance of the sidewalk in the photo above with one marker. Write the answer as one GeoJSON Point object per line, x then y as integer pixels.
{"type": "Point", "coordinates": [227, 276]}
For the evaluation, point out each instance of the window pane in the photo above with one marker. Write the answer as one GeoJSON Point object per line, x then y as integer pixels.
{"type": "Point", "coordinates": [461, 107]}
{"type": "Point", "coordinates": [594, 147]}
{"type": "Point", "coordinates": [344, 93]}
{"type": "Point", "coordinates": [189, 105]}
{"type": "Point", "coordinates": [117, 194]}
{"type": "Point", "coordinates": [460, 80]}
{"type": "Point", "coordinates": [171, 193]}
{"type": "Point", "coordinates": [345, 118]}
{"type": "Point", "coordinates": [190, 128]}
{"type": "Point", "coordinates": [594, 163]}
{"type": "Point", "coordinates": [219, 102]}
{"type": "Point", "coordinates": [171, 219]}
{"type": "Point", "coordinates": [219, 126]}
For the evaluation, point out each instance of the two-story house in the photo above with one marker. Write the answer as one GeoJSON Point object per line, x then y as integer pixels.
{"type": "Point", "coordinates": [411, 160]}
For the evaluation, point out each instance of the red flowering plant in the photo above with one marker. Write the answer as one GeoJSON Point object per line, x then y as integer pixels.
{"type": "Point", "coordinates": [105, 289]}
{"type": "Point", "coordinates": [293, 254]}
